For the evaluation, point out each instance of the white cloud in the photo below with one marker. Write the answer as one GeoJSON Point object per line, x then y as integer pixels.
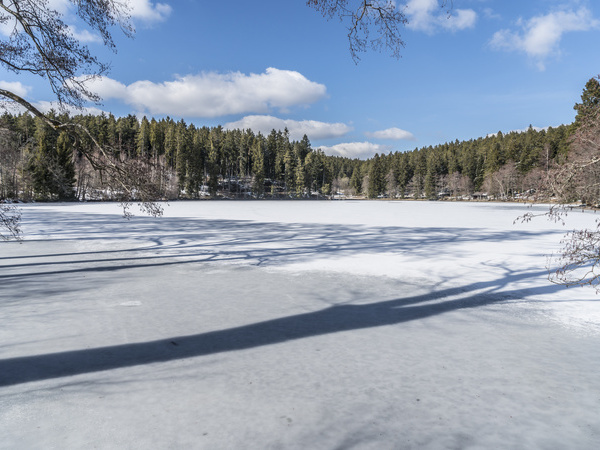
{"type": "Point", "coordinates": [84, 36]}
{"type": "Point", "coordinates": [489, 13]}
{"type": "Point", "coordinates": [213, 94]}
{"type": "Point", "coordinates": [393, 133]}
{"type": "Point", "coordinates": [62, 6]}
{"type": "Point", "coordinates": [540, 36]}
{"type": "Point", "coordinates": [297, 128]}
{"type": "Point", "coordinates": [149, 11]}
{"type": "Point", "coordinates": [427, 16]}
{"type": "Point", "coordinates": [16, 87]}
{"type": "Point", "coordinates": [362, 150]}
{"type": "Point", "coordinates": [145, 10]}
{"type": "Point", "coordinates": [45, 107]}
{"type": "Point", "coordinates": [6, 28]}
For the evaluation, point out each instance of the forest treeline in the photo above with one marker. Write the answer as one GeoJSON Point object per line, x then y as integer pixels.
{"type": "Point", "coordinates": [189, 162]}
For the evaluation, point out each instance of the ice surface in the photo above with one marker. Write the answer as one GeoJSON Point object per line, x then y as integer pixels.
{"type": "Point", "coordinates": [318, 325]}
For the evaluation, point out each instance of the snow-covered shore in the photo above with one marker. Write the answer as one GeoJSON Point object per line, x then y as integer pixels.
{"type": "Point", "coordinates": [319, 325]}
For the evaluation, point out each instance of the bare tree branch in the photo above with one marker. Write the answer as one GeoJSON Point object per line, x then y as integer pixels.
{"type": "Point", "coordinates": [576, 182]}
{"type": "Point", "coordinates": [364, 18]}
{"type": "Point", "coordinates": [42, 44]}
{"type": "Point", "coordinates": [10, 219]}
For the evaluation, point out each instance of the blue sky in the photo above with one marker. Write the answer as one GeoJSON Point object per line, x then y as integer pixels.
{"type": "Point", "coordinates": [493, 65]}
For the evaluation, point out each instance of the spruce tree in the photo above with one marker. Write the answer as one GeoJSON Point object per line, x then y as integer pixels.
{"type": "Point", "coordinates": [300, 179]}
{"type": "Point", "coordinates": [590, 99]}
{"type": "Point", "coordinates": [64, 175]}
{"type": "Point", "coordinates": [356, 180]}
{"type": "Point", "coordinates": [258, 169]}
{"type": "Point", "coordinates": [376, 177]}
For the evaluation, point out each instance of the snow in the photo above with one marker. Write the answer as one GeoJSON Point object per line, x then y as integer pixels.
{"type": "Point", "coordinates": [321, 325]}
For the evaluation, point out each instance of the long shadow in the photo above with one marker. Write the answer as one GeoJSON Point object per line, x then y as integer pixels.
{"type": "Point", "coordinates": [175, 241]}
{"type": "Point", "coordinates": [330, 320]}
{"type": "Point", "coordinates": [181, 241]}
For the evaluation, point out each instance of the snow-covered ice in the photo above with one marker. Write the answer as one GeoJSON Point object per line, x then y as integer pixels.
{"type": "Point", "coordinates": [294, 325]}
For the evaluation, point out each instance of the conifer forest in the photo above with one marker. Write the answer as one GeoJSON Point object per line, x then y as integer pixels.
{"type": "Point", "coordinates": [189, 162]}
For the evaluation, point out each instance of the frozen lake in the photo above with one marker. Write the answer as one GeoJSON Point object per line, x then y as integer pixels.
{"type": "Point", "coordinates": [294, 325]}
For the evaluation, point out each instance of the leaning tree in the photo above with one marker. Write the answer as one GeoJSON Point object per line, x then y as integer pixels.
{"type": "Point", "coordinates": [41, 43]}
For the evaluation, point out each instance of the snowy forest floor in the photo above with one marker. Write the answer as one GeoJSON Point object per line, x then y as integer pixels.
{"type": "Point", "coordinates": [294, 325]}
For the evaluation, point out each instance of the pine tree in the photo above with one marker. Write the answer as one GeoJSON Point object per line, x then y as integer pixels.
{"type": "Point", "coordinates": [403, 173]}
{"type": "Point", "coordinates": [300, 179]}
{"type": "Point", "coordinates": [376, 177]}
{"type": "Point", "coordinates": [65, 168]}
{"type": "Point", "coordinates": [214, 157]}
{"type": "Point", "coordinates": [420, 171]}
{"type": "Point", "coordinates": [182, 148]}
{"type": "Point", "coordinates": [52, 164]}
{"type": "Point", "coordinates": [289, 162]}
{"type": "Point", "coordinates": [356, 180]}
{"type": "Point", "coordinates": [195, 163]}
{"type": "Point", "coordinates": [157, 139]}
{"type": "Point", "coordinates": [143, 139]}
{"type": "Point", "coordinates": [430, 183]}
{"type": "Point", "coordinates": [170, 144]}
{"type": "Point", "coordinates": [258, 169]}
{"type": "Point", "coordinates": [590, 99]}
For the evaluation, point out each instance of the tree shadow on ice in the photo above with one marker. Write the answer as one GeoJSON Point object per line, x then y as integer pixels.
{"type": "Point", "coordinates": [334, 319]}
{"type": "Point", "coordinates": [148, 242]}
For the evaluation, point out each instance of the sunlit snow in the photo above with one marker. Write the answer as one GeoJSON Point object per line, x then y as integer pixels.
{"type": "Point", "coordinates": [294, 325]}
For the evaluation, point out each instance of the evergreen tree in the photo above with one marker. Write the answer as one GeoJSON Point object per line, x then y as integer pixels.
{"type": "Point", "coordinates": [157, 139]}
{"type": "Point", "coordinates": [302, 148]}
{"type": "Point", "coordinates": [590, 99]}
{"type": "Point", "coordinates": [403, 173]}
{"type": "Point", "coordinates": [195, 163]}
{"type": "Point", "coordinates": [420, 171]}
{"type": "Point", "coordinates": [64, 176]}
{"type": "Point", "coordinates": [430, 183]}
{"type": "Point", "coordinates": [495, 158]}
{"type": "Point", "coordinates": [356, 180]}
{"type": "Point", "coordinates": [376, 177]}
{"type": "Point", "coordinates": [143, 139]}
{"type": "Point", "coordinates": [289, 162]}
{"type": "Point", "coordinates": [258, 168]}
{"type": "Point", "coordinates": [182, 148]}
{"type": "Point", "coordinates": [213, 163]}
{"type": "Point", "coordinates": [52, 164]}
{"type": "Point", "coordinates": [300, 178]}
{"type": "Point", "coordinates": [170, 144]}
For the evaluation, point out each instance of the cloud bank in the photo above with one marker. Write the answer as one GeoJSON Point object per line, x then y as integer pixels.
{"type": "Point", "coordinates": [297, 128]}
{"type": "Point", "coordinates": [362, 150]}
{"type": "Point", "coordinates": [395, 134]}
{"type": "Point", "coordinates": [540, 36]}
{"type": "Point", "coordinates": [15, 87]}
{"type": "Point", "coordinates": [212, 94]}
{"type": "Point", "coordinates": [46, 107]}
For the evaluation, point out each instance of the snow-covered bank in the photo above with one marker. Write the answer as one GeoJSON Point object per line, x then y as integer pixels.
{"type": "Point", "coordinates": [294, 325]}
